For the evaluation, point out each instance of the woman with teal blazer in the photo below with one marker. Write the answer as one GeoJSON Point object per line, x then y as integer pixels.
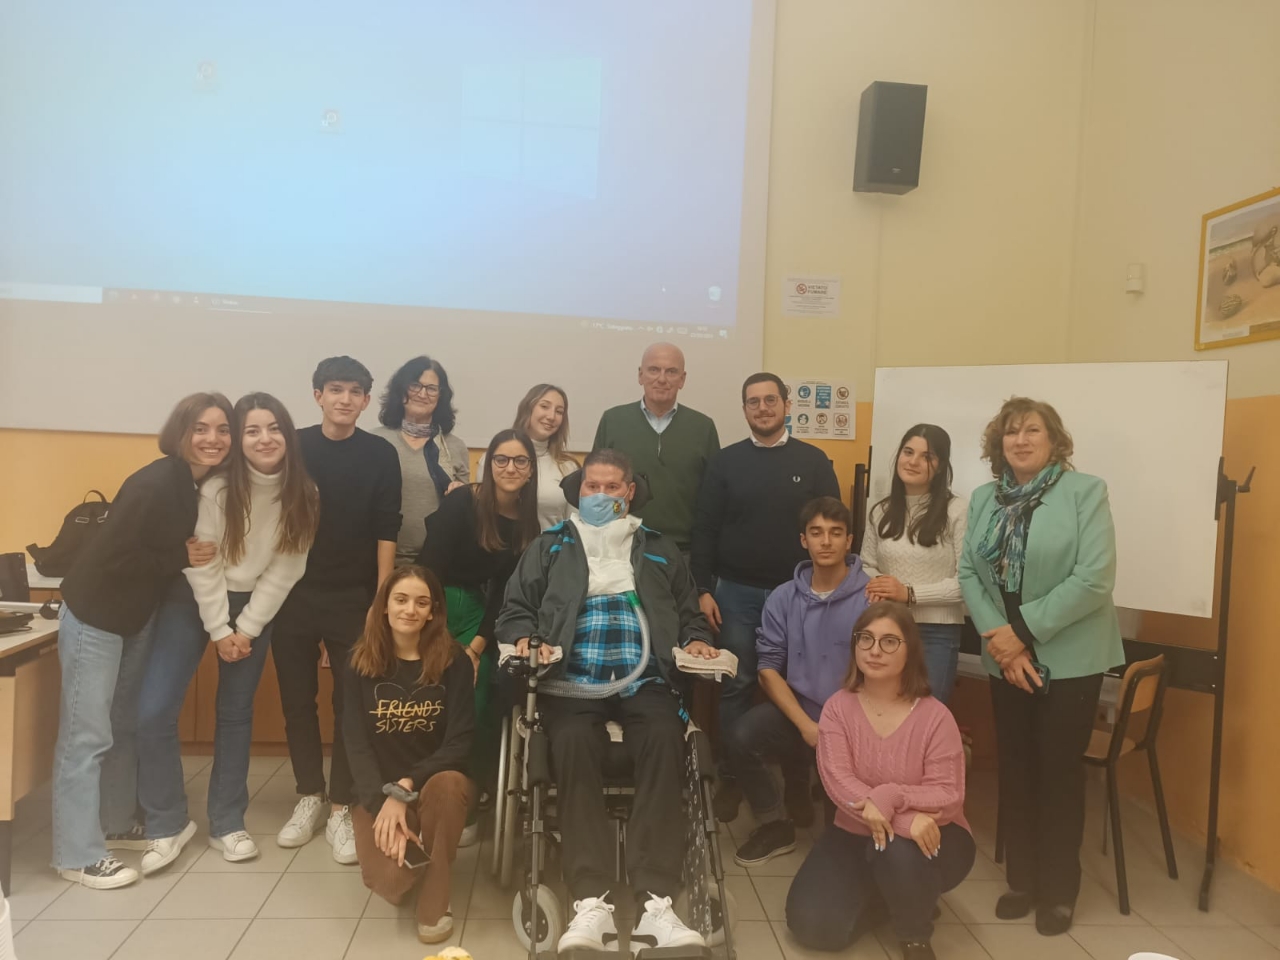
{"type": "Point", "coordinates": [1037, 571]}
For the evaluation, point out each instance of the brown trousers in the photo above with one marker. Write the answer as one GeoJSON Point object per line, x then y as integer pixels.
{"type": "Point", "coordinates": [439, 816]}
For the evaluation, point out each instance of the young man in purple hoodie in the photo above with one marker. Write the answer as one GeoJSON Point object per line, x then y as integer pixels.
{"type": "Point", "coordinates": [803, 656]}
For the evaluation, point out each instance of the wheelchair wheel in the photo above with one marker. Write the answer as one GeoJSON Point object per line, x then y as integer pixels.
{"type": "Point", "coordinates": [549, 921]}
{"type": "Point", "coordinates": [501, 799]}
{"type": "Point", "coordinates": [509, 826]}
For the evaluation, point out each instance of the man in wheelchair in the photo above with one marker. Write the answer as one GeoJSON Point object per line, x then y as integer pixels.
{"type": "Point", "coordinates": [611, 600]}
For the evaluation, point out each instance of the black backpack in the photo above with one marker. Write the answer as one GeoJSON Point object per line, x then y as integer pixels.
{"type": "Point", "coordinates": [79, 527]}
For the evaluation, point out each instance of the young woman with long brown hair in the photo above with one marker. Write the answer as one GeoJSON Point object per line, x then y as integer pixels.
{"type": "Point", "coordinates": [473, 543]}
{"type": "Point", "coordinates": [408, 719]}
{"type": "Point", "coordinates": [105, 633]}
{"type": "Point", "coordinates": [890, 757]}
{"type": "Point", "coordinates": [544, 415]}
{"type": "Point", "coordinates": [256, 523]}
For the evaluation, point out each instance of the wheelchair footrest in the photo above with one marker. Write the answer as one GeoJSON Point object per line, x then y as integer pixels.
{"type": "Point", "coordinates": [674, 953]}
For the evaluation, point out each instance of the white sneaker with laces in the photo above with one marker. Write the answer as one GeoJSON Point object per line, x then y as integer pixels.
{"type": "Point", "coordinates": [160, 853]}
{"type": "Point", "coordinates": [107, 874]}
{"type": "Point", "coordinates": [235, 846]}
{"type": "Point", "coordinates": [592, 927]}
{"type": "Point", "coordinates": [303, 824]}
{"type": "Point", "coordinates": [341, 835]}
{"type": "Point", "coordinates": [658, 926]}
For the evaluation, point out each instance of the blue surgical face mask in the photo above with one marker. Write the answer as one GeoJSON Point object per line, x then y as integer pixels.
{"type": "Point", "coordinates": [597, 509]}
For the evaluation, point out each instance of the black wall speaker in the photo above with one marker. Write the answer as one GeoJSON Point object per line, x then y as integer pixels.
{"type": "Point", "coordinates": [890, 135]}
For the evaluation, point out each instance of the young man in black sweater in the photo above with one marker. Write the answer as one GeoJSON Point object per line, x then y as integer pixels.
{"type": "Point", "coordinates": [746, 541]}
{"type": "Point", "coordinates": [358, 476]}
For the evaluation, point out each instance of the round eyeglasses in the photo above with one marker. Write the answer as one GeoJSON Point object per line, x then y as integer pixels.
{"type": "Point", "coordinates": [889, 643]}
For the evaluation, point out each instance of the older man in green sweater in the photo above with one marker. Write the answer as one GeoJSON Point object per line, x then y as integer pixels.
{"type": "Point", "coordinates": [668, 443]}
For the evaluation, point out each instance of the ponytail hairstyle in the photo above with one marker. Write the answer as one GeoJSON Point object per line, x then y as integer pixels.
{"type": "Point", "coordinates": [374, 654]}
{"type": "Point", "coordinates": [929, 527]}
{"type": "Point", "coordinates": [298, 497]}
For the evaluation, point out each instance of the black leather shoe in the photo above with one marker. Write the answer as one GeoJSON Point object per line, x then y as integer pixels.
{"type": "Point", "coordinates": [1014, 905]}
{"type": "Point", "coordinates": [1055, 920]}
{"type": "Point", "coordinates": [917, 951]}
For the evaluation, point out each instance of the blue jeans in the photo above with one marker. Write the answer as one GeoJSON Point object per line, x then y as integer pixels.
{"type": "Point", "coordinates": [941, 656]}
{"type": "Point", "coordinates": [180, 645]}
{"type": "Point", "coordinates": [764, 735]}
{"type": "Point", "coordinates": [741, 609]}
{"type": "Point", "coordinates": [95, 764]}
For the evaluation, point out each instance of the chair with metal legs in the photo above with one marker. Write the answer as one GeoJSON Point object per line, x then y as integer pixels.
{"type": "Point", "coordinates": [1141, 691]}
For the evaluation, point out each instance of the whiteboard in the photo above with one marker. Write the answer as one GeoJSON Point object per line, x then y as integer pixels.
{"type": "Point", "coordinates": [1152, 431]}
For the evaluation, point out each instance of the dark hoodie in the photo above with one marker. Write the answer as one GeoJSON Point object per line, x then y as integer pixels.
{"type": "Point", "coordinates": [806, 639]}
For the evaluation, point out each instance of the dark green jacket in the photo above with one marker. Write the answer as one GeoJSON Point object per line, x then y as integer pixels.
{"type": "Point", "coordinates": [672, 461]}
{"type": "Point", "coordinates": [546, 593]}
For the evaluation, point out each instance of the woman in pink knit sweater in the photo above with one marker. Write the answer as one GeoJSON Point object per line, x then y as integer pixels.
{"type": "Point", "coordinates": [891, 759]}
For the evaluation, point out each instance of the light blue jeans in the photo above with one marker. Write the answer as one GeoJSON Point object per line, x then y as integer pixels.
{"type": "Point", "coordinates": [95, 764]}
{"type": "Point", "coordinates": [180, 645]}
{"type": "Point", "coordinates": [941, 656]}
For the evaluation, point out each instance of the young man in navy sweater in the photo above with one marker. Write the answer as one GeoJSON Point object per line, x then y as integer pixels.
{"type": "Point", "coordinates": [745, 545]}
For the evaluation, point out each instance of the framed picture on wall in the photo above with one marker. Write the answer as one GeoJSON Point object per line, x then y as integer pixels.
{"type": "Point", "coordinates": [1239, 293]}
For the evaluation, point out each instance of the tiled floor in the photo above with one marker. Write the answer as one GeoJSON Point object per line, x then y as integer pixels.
{"type": "Point", "coordinates": [301, 904]}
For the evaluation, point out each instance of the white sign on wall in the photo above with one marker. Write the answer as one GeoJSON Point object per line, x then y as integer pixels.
{"type": "Point", "coordinates": [822, 409]}
{"type": "Point", "coordinates": [811, 297]}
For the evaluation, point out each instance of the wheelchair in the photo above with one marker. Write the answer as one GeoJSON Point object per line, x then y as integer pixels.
{"type": "Point", "coordinates": [526, 832]}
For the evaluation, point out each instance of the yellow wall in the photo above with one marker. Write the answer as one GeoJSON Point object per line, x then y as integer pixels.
{"type": "Point", "coordinates": [1064, 139]}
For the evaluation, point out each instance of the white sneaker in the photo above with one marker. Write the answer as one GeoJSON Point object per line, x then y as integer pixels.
{"type": "Point", "coordinates": [235, 847]}
{"type": "Point", "coordinates": [160, 853]}
{"type": "Point", "coordinates": [107, 874]}
{"type": "Point", "coordinates": [306, 820]}
{"type": "Point", "coordinates": [341, 835]}
{"type": "Point", "coordinates": [592, 927]}
{"type": "Point", "coordinates": [470, 835]}
{"type": "Point", "coordinates": [436, 932]}
{"type": "Point", "coordinates": [659, 926]}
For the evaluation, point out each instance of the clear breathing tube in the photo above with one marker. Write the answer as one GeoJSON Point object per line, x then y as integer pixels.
{"type": "Point", "coordinates": [602, 691]}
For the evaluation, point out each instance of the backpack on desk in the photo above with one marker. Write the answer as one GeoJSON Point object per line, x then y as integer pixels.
{"type": "Point", "coordinates": [79, 527]}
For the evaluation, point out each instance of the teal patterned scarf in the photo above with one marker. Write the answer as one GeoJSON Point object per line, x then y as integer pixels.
{"type": "Point", "coordinates": [1004, 545]}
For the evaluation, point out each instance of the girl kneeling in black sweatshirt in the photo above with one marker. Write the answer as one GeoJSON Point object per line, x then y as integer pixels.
{"type": "Point", "coordinates": [409, 717]}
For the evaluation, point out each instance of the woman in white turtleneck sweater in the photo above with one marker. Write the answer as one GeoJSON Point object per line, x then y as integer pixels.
{"type": "Point", "coordinates": [912, 546]}
{"type": "Point", "coordinates": [543, 414]}
{"type": "Point", "coordinates": [254, 528]}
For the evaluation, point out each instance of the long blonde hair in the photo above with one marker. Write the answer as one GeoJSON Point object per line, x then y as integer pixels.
{"type": "Point", "coordinates": [556, 442]}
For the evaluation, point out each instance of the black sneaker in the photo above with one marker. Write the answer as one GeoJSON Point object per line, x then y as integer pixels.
{"type": "Point", "coordinates": [1014, 905]}
{"type": "Point", "coordinates": [107, 874]}
{"type": "Point", "coordinates": [135, 839]}
{"type": "Point", "coordinates": [917, 951]}
{"type": "Point", "coordinates": [727, 801]}
{"type": "Point", "coordinates": [769, 841]}
{"type": "Point", "coordinates": [799, 803]}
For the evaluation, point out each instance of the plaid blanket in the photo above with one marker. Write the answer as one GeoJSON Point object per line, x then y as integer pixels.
{"type": "Point", "coordinates": [607, 644]}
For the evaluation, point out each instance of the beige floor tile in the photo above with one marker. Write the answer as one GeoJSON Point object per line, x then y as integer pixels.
{"type": "Point", "coordinates": [490, 901]}
{"type": "Point", "coordinates": [974, 901]}
{"type": "Point", "coordinates": [1245, 898]}
{"type": "Point", "coordinates": [773, 895]}
{"type": "Point", "coordinates": [34, 853]}
{"type": "Point", "coordinates": [1269, 933]}
{"type": "Point", "coordinates": [867, 947]}
{"type": "Point", "coordinates": [300, 895]}
{"type": "Point", "coordinates": [193, 765]}
{"type": "Point", "coordinates": [1120, 943]}
{"type": "Point", "coordinates": [269, 814]}
{"type": "Point", "coordinates": [459, 901]}
{"type": "Point", "coordinates": [493, 940]}
{"type": "Point", "coordinates": [1016, 941]}
{"type": "Point", "coordinates": [30, 893]}
{"type": "Point", "coordinates": [188, 939]}
{"type": "Point", "coordinates": [1233, 943]}
{"type": "Point", "coordinates": [984, 868]}
{"type": "Point", "coordinates": [398, 940]}
{"type": "Point", "coordinates": [317, 857]}
{"type": "Point", "coordinates": [315, 939]}
{"type": "Point", "coordinates": [753, 940]}
{"type": "Point", "coordinates": [15, 926]}
{"type": "Point", "coordinates": [271, 858]}
{"type": "Point", "coordinates": [67, 939]}
{"type": "Point", "coordinates": [216, 896]}
{"type": "Point", "coordinates": [126, 903]}
{"type": "Point", "coordinates": [950, 942]}
{"type": "Point", "coordinates": [1177, 904]}
{"type": "Point", "coordinates": [1098, 905]}
{"type": "Point", "coordinates": [744, 894]}
{"type": "Point", "coordinates": [787, 864]}
{"type": "Point", "coordinates": [269, 766]}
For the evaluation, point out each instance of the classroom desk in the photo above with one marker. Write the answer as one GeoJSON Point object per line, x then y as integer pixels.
{"type": "Point", "coordinates": [30, 690]}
